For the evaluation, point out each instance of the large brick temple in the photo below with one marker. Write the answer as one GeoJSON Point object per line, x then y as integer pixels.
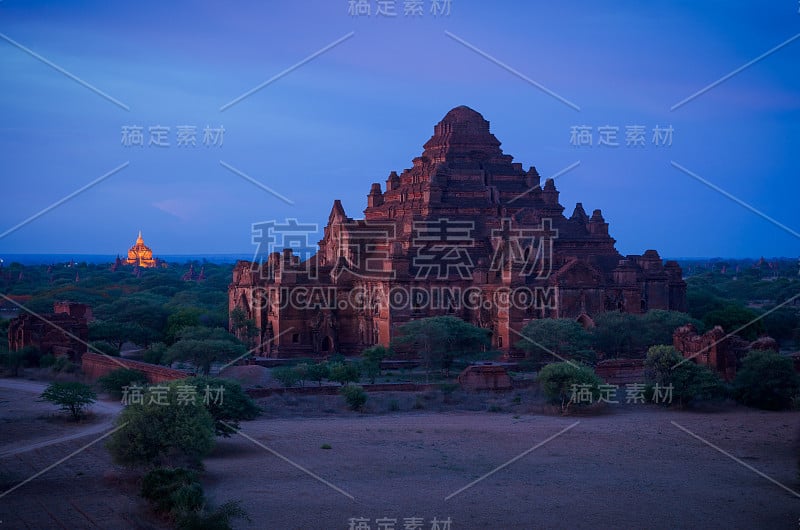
{"type": "Point", "coordinates": [465, 232]}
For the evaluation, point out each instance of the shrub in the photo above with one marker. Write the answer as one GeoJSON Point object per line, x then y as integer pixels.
{"type": "Point", "coordinates": [690, 382]}
{"type": "Point", "coordinates": [286, 375]}
{"type": "Point", "coordinates": [766, 380]}
{"type": "Point", "coordinates": [103, 347]}
{"type": "Point", "coordinates": [62, 364]}
{"type": "Point", "coordinates": [47, 360]}
{"type": "Point", "coordinates": [343, 372]}
{"type": "Point", "coordinates": [233, 405]}
{"type": "Point", "coordinates": [13, 361]}
{"type": "Point", "coordinates": [162, 485]}
{"type": "Point", "coordinates": [559, 380]}
{"type": "Point", "coordinates": [115, 381]}
{"type": "Point", "coordinates": [317, 372]}
{"type": "Point", "coordinates": [155, 354]}
{"type": "Point", "coordinates": [70, 396]}
{"type": "Point", "coordinates": [160, 430]}
{"type": "Point", "coordinates": [354, 395]}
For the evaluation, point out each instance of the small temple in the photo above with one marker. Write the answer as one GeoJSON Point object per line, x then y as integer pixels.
{"type": "Point", "coordinates": [140, 254]}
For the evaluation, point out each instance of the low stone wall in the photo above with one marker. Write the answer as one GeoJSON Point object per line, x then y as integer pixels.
{"type": "Point", "coordinates": [334, 389]}
{"type": "Point", "coordinates": [621, 371]}
{"type": "Point", "coordinates": [95, 366]}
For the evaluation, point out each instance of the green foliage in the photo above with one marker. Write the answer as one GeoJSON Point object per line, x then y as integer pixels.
{"type": "Point", "coordinates": [694, 383]}
{"type": "Point", "coordinates": [13, 361]}
{"type": "Point", "coordinates": [233, 406]}
{"type": "Point", "coordinates": [115, 381]}
{"type": "Point", "coordinates": [317, 372]}
{"type": "Point", "coordinates": [172, 490]}
{"type": "Point", "coordinates": [31, 355]}
{"type": "Point", "coordinates": [438, 340]}
{"type": "Point", "coordinates": [104, 348]}
{"type": "Point", "coordinates": [286, 375]}
{"type": "Point", "coordinates": [734, 316]}
{"type": "Point", "coordinates": [62, 364]}
{"type": "Point", "coordinates": [564, 337]}
{"type": "Point", "coordinates": [47, 360]}
{"type": "Point", "coordinates": [371, 360]}
{"type": "Point", "coordinates": [178, 493]}
{"type": "Point", "coordinates": [559, 379]}
{"type": "Point", "coordinates": [629, 335]}
{"type": "Point", "coordinates": [152, 433]}
{"type": "Point", "coordinates": [217, 519]}
{"type": "Point", "coordinates": [344, 372]}
{"type": "Point", "coordinates": [72, 397]}
{"type": "Point", "coordinates": [203, 352]}
{"type": "Point", "coordinates": [766, 380]}
{"type": "Point", "coordinates": [156, 353]}
{"type": "Point", "coordinates": [691, 382]}
{"type": "Point", "coordinates": [354, 395]}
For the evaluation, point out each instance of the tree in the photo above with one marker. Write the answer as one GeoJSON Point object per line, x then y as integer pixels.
{"type": "Point", "coordinates": [735, 316]}
{"type": "Point", "coordinates": [344, 372]}
{"type": "Point", "coordinates": [160, 430]}
{"type": "Point", "coordinates": [438, 340]}
{"type": "Point", "coordinates": [766, 380]}
{"type": "Point", "coordinates": [286, 375]}
{"type": "Point", "coordinates": [561, 336]}
{"type": "Point", "coordinates": [72, 397]}
{"type": "Point", "coordinates": [115, 381]}
{"type": "Point", "coordinates": [117, 333]}
{"type": "Point", "coordinates": [203, 353]}
{"type": "Point", "coordinates": [690, 382]}
{"type": "Point", "coordinates": [233, 406]}
{"type": "Point", "coordinates": [354, 395]}
{"type": "Point", "coordinates": [559, 382]}
{"type": "Point", "coordinates": [317, 372]}
{"type": "Point", "coordinates": [372, 358]}
{"type": "Point", "coordinates": [13, 361]}
{"type": "Point", "coordinates": [615, 333]}
{"type": "Point", "coordinates": [658, 325]}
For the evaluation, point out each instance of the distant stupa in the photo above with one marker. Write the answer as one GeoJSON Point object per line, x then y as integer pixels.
{"type": "Point", "coordinates": [140, 254]}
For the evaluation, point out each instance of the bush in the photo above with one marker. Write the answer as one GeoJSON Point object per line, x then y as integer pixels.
{"type": "Point", "coordinates": [155, 354]}
{"type": "Point", "coordinates": [160, 430]}
{"type": "Point", "coordinates": [690, 382]}
{"type": "Point", "coordinates": [317, 372]}
{"type": "Point", "coordinates": [103, 347]}
{"type": "Point", "coordinates": [62, 364]}
{"type": "Point", "coordinates": [766, 380]}
{"type": "Point", "coordinates": [71, 396]}
{"type": "Point", "coordinates": [233, 405]}
{"type": "Point", "coordinates": [343, 372]}
{"type": "Point", "coordinates": [13, 361]}
{"type": "Point", "coordinates": [115, 381]}
{"type": "Point", "coordinates": [171, 489]}
{"type": "Point", "coordinates": [286, 375]}
{"type": "Point", "coordinates": [47, 360]}
{"type": "Point", "coordinates": [354, 395]}
{"type": "Point", "coordinates": [558, 381]}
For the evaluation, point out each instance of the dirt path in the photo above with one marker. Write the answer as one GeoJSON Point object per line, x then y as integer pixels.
{"type": "Point", "coordinates": [105, 410]}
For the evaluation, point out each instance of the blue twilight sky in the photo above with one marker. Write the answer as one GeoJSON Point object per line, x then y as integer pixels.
{"type": "Point", "coordinates": [363, 108]}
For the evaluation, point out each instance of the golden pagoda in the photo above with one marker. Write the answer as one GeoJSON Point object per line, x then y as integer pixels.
{"type": "Point", "coordinates": [140, 254]}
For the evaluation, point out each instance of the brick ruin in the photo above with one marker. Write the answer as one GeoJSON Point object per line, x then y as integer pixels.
{"type": "Point", "coordinates": [64, 332]}
{"type": "Point", "coordinates": [466, 232]}
{"type": "Point", "coordinates": [712, 349]}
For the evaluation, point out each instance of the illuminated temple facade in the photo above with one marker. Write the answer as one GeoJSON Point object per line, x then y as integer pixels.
{"type": "Point", "coordinates": [140, 254]}
{"type": "Point", "coordinates": [465, 232]}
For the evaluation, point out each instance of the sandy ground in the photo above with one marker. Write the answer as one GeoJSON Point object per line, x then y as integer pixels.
{"type": "Point", "coordinates": [627, 466]}
{"type": "Point", "coordinates": [85, 490]}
